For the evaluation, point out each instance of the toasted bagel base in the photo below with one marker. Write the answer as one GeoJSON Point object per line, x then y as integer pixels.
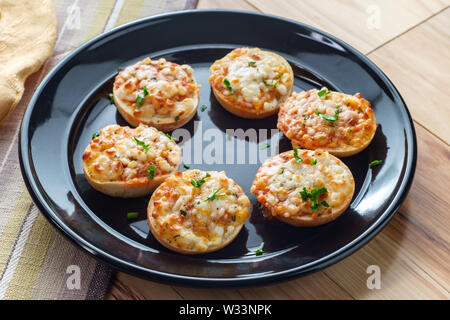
{"type": "Point", "coordinates": [166, 126]}
{"type": "Point", "coordinates": [253, 113]}
{"type": "Point", "coordinates": [128, 189]}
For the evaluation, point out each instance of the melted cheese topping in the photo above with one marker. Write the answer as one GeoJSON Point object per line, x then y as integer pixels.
{"type": "Point", "coordinates": [280, 180]}
{"type": "Point", "coordinates": [183, 217]}
{"type": "Point", "coordinates": [259, 80]}
{"type": "Point", "coordinates": [116, 156]}
{"type": "Point", "coordinates": [172, 90]}
{"type": "Point", "coordinates": [300, 120]}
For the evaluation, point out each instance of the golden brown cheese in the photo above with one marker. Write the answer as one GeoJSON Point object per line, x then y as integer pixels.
{"type": "Point", "coordinates": [130, 156]}
{"type": "Point", "coordinates": [252, 79]}
{"type": "Point", "coordinates": [197, 211]}
{"type": "Point", "coordinates": [283, 182]}
{"type": "Point", "coordinates": [339, 123]}
{"type": "Point", "coordinates": [156, 92]}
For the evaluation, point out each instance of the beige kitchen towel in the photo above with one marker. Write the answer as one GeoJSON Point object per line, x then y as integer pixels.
{"type": "Point", "coordinates": [36, 261]}
{"type": "Point", "coordinates": [27, 38]}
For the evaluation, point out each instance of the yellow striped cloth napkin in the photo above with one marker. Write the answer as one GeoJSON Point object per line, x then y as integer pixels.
{"type": "Point", "coordinates": [35, 260]}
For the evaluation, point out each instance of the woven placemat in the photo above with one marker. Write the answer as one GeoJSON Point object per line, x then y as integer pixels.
{"type": "Point", "coordinates": [36, 262]}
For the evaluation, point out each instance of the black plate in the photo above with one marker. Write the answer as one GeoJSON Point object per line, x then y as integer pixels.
{"type": "Point", "coordinates": [71, 104]}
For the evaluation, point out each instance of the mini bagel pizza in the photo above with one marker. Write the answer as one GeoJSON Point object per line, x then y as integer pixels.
{"type": "Point", "coordinates": [125, 162]}
{"type": "Point", "coordinates": [251, 83]}
{"type": "Point", "coordinates": [197, 212]}
{"type": "Point", "coordinates": [339, 123]}
{"type": "Point", "coordinates": [304, 187]}
{"type": "Point", "coordinates": [157, 93]}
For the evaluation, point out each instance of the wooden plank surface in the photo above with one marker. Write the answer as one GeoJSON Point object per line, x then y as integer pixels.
{"type": "Point", "coordinates": [412, 251]}
{"type": "Point", "coordinates": [418, 62]}
{"type": "Point", "coordinates": [364, 24]}
{"type": "Point", "coordinates": [225, 4]}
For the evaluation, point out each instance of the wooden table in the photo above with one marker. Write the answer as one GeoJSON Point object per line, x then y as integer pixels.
{"type": "Point", "coordinates": [410, 41]}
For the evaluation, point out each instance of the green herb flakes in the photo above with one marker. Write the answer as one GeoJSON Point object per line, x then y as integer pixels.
{"type": "Point", "coordinates": [151, 172]}
{"type": "Point", "coordinates": [132, 215]}
{"type": "Point", "coordinates": [296, 157]}
{"type": "Point", "coordinates": [375, 163]}
{"type": "Point", "coordinates": [314, 195]}
{"type": "Point", "coordinates": [142, 144]}
{"type": "Point", "coordinates": [200, 182]}
{"type": "Point", "coordinates": [259, 251]}
{"type": "Point", "coordinates": [323, 93]}
{"type": "Point", "coordinates": [227, 83]}
{"type": "Point", "coordinates": [214, 195]}
{"type": "Point", "coordinates": [144, 92]}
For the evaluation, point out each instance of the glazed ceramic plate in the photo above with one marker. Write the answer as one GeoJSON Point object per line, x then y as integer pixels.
{"type": "Point", "coordinates": [72, 103]}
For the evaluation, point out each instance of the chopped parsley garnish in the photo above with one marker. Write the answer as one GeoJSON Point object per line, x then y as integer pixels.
{"type": "Point", "coordinates": [214, 195]}
{"type": "Point", "coordinates": [177, 118]}
{"type": "Point", "coordinates": [306, 118]}
{"type": "Point", "coordinates": [111, 98]}
{"type": "Point", "coordinates": [251, 63]}
{"type": "Point", "coordinates": [142, 144]}
{"type": "Point", "coordinates": [273, 84]}
{"type": "Point", "coordinates": [203, 107]}
{"type": "Point", "coordinates": [277, 82]}
{"type": "Point", "coordinates": [313, 161]}
{"type": "Point", "coordinates": [315, 206]}
{"type": "Point", "coordinates": [227, 83]}
{"type": "Point", "coordinates": [186, 166]}
{"type": "Point", "coordinates": [296, 157]}
{"type": "Point", "coordinates": [329, 118]}
{"type": "Point", "coordinates": [265, 146]}
{"type": "Point", "coordinates": [314, 195]}
{"type": "Point", "coordinates": [170, 137]}
{"type": "Point", "coordinates": [282, 170]}
{"type": "Point", "coordinates": [132, 215]}
{"type": "Point", "coordinates": [154, 79]}
{"type": "Point", "coordinates": [375, 163]}
{"type": "Point", "coordinates": [259, 251]}
{"type": "Point", "coordinates": [304, 194]}
{"type": "Point", "coordinates": [183, 212]}
{"type": "Point", "coordinates": [151, 172]}
{"type": "Point", "coordinates": [323, 93]}
{"type": "Point", "coordinates": [144, 92]}
{"type": "Point", "coordinates": [199, 183]}
{"type": "Point", "coordinates": [95, 135]}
